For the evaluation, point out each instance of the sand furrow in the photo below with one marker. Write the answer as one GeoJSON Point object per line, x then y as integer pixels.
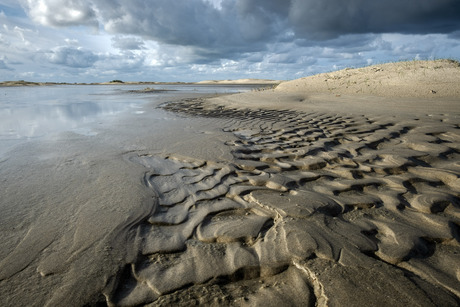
{"type": "Point", "coordinates": [329, 203]}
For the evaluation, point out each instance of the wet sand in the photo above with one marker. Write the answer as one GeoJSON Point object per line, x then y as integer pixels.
{"type": "Point", "coordinates": [291, 196]}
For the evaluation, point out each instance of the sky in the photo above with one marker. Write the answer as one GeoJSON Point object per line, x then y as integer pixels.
{"type": "Point", "coordinates": [194, 40]}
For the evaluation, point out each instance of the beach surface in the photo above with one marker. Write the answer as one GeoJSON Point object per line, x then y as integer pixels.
{"type": "Point", "coordinates": [242, 81]}
{"type": "Point", "coordinates": [340, 189]}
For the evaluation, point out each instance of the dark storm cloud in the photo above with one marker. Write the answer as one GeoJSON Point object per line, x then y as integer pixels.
{"type": "Point", "coordinates": [331, 18]}
{"type": "Point", "coordinates": [71, 57]}
{"type": "Point", "coordinates": [248, 25]}
{"type": "Point", "coordinates": [171, 22]}
{"type": "Point", "coordinates": [236, 27]}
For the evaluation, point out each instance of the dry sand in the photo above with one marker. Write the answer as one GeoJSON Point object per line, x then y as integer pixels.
{"type": "Point", "coordinates": [311, 194]}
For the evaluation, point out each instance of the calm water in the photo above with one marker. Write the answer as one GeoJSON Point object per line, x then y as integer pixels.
{"type": "Point", "coordinates": [36, 112]}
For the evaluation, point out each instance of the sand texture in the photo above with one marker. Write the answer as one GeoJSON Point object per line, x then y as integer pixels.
{"type": "Point", "coordinates": [285, 197]}
{"type": "Point", "coordinates": [349, 203]}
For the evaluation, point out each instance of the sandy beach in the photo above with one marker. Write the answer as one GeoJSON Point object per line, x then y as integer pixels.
{"type": "Point", "coordinates": [339, 189]}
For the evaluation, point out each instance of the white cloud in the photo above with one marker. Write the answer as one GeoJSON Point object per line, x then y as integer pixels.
{"type": "Point", "coordinates": [217, 4]}
{"type": "Point", "coordinates": [61, 13]}
{"type": "Point", "coordinates": [72, 42]}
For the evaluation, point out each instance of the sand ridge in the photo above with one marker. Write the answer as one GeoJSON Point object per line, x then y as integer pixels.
{"type": "Point", "coordinates": [315, 209]}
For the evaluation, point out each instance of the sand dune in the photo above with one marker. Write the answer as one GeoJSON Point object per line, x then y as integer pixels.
{"type": "Point", "coordinates": [327, 197]}
{"type": "Point", "coordinates": [421, 79]}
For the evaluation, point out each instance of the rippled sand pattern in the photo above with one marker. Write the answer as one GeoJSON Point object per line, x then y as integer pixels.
{"type": "Point", "coordinates": [315, 209]}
